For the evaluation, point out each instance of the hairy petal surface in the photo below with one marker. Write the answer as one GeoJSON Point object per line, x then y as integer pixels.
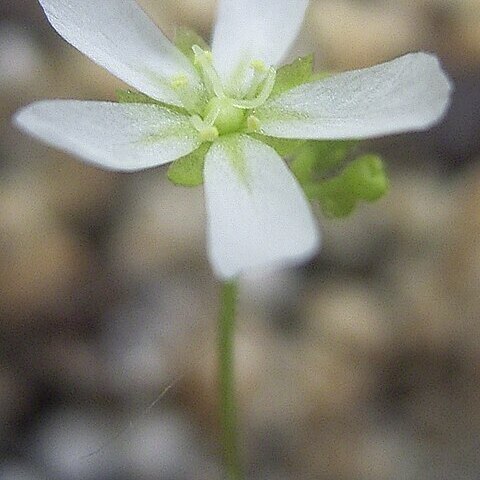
{"type": "Point", "coordinates": [258, 215]}
{"type": "Point", "coordinates": [119, 36]}
{"type": "Point", "coordinates": [114, 136]}
{"type": "Point", "coordinates": [254, 29]}
{"type": "Point", "coordinates": [406, 94]}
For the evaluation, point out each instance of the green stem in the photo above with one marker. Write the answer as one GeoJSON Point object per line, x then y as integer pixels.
{"type": "Point", "coordinates": [227, 394]}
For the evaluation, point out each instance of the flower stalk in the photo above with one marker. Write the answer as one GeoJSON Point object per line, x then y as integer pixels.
{"type": "Point", "coordinates": [228, 412]}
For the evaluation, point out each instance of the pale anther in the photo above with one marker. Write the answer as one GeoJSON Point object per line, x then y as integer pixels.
{"type": "Point", "coordinates": [179, 81]}
{"type": "Point", "coordinates": [259, 66]}
{"type": "Point", "coordinates": [207, 133]}
{"type": "Point", "coordinates": [253, 124]}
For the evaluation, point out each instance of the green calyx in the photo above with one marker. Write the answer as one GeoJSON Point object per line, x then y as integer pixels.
{"type": "Point", "coordinates": [363, 179]}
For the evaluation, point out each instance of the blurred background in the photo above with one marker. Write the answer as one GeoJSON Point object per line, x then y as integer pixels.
{"type": "Point", "coordinates": [362, 365]}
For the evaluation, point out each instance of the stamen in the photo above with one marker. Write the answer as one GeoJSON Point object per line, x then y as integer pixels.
{"type": "Point", "coordinates": [207, 133]}
{"type": "Point", "coordinates": [212, 80]}
{"type": "Point", "coordinates": [199, 54]}
{"type": "Point", "coordinates": [262, 97]}
{"type": "Point", "coordinates": [212, 115]}
{"type": "Point", "coordinates": [260, 72]}
{"type": "Point", "coordinates": [259, 66]}
{"type": "Point", "coordinates": [253, 124]}
{"type": "Point", "coordinates": [179, 81]}
{"type": "Point", "coordinates": [181, 85]}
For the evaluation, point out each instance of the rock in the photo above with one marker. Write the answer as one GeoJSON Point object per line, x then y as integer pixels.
{"type": "Point", "coordinates": [420, 209]}
{"type": "Point", "coordinates": [354, 242]}
{"type": "Point", "coordinates": [42, 261]}
{"type": "Point", "coordinates": [21, 58]}
{"type": "Point", "coordinates": [162, 227]}
{"type": "Point", "coordinates": [81, 195]}
{"type": "Point", "coordinates": [19, 471]}
{"type": "Point", "coordinates": [352, 35]}
{"type": "Point", "coordinates": [461, 265]}
{"type": "Point", "coordinates": [166, 445]}
{"type": "Point", "coordinates": [15, 398]}
{"type": "Point", "coordinates": [67, 444]}
{"type": "Point", "coordinates": [423, 312]}
{"type": "Point", "coordinates": [348, 317]}
{"type": "Point", "coordinates": [184, 13]}
{"type": "Point", "coordinates": [388, 450]}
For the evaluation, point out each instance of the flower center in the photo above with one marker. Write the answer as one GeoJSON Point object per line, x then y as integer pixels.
{"type": "Point", "coordinates": [227, 117]}
{"type": "Point", "coordinates": [223, 114]}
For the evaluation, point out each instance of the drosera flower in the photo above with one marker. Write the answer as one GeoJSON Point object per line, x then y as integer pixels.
{"type": "Point", "coordinates": [210, 111]}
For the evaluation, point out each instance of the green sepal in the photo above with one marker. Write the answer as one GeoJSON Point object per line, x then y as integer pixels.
{"type": "Point", "coordinates": [292, 75]}
{"type": "Point", "coordinates": [185, 39]}
{"type": "Point", "coordinates": [320, 76]}
{"type": "Point", "coordinates": [316, 157]}
{"type": "Point", "coordinates": [366, 178]}
{"type": "Point", "coordinates": [335, 199]}
{"type": "Point", "coordinates": [285, 147]}
{"type": "Point", "coordinates": [131, 96]}
{"type": "Point", "coordinates": [187, 171]}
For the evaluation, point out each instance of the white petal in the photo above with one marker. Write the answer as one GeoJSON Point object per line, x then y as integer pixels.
{"type": "Point", "coordinates": [258, 215]}
{"type": "Point", "coordinates": [409, 93]}
{"type": "Point", "coordinates": [254, 29]}
{"type": "Point", "coordinates": [114, 136]}
{"type": "Point", "coordinates": [120, 37]}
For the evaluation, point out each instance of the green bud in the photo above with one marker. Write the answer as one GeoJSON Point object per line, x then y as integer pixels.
{"type": "Point", "coordinates": [315, 158]}
{"type": "Point", "coordinates": [335, 199]}
{"type": "Point", "coordinates": [366, 178]}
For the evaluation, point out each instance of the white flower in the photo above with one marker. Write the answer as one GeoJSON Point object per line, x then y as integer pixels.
{"type": "Point", "coordinates": [257, 212]}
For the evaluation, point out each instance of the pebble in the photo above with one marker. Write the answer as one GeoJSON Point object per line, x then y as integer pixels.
{"type": "Point", "coordinates": [353, 35]}
{"type": "Point", "coordinates": [66, 444]}
{"type": "Point", "coordinates": [19, 471]}
{"type": "Point", "coordinates": [21, 58]}
{"type": "Point", "coordinates": [163, 227]}
{"type": "Point", "coordinates": [42, 260]}
{"type": "Point", "coordinates": [349, 317]}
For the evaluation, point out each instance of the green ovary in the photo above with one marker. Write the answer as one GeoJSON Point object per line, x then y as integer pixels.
{"type": "Point", "coordinates": [228, 119]}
